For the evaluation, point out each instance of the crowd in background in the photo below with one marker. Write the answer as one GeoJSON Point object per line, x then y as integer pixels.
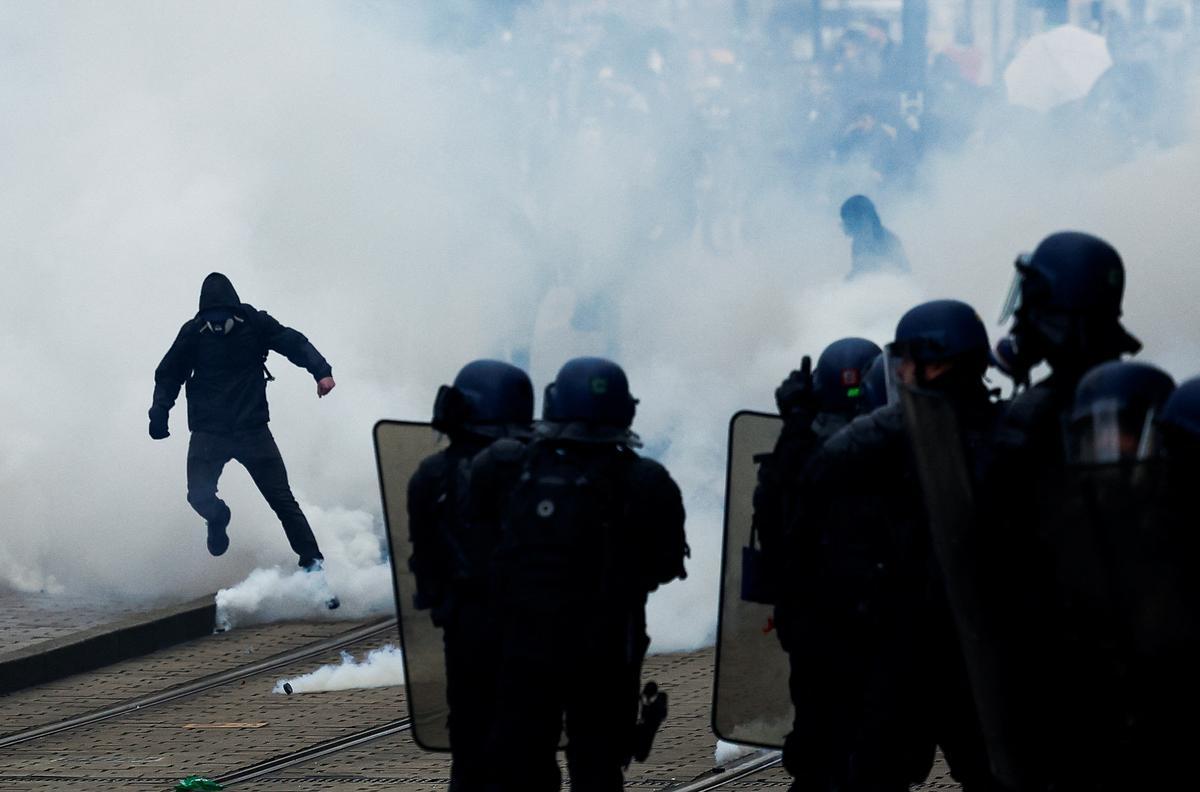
{"type": "Point", "coordinates": [838, 96]}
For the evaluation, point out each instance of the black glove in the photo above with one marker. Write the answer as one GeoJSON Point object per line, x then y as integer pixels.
{"type": "Point", "coordinates": [796, 394]}
{"type": "Point", "coordinates": [158, 425]}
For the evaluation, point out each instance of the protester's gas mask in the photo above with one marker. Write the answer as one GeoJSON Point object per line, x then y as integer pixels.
{"type": "Point", "coordinates": [218, 321]}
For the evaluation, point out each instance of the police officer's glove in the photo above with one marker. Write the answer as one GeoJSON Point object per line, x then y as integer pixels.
{"type": "Point", "coordinates": [796, 394]}
{"type": "Point", "coordinates": [158, 425]}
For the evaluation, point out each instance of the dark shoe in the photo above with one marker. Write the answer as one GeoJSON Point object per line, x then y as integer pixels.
{"type": "Point", "coordinates": [315, 566]}
{"type": "Point", "coordinates": [218, 540]}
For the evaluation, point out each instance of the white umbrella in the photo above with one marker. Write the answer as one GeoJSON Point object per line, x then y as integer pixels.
{"type": "Point", "coordinates": [1058, 66]}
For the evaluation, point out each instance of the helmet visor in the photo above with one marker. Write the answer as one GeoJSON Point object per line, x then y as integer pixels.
{"type": "Point", "coordinates": [896, 372]}
{"type": "Point", "coordinates": [1104, 434]}
{"type": "Point", "coordinates": [1012, 300]}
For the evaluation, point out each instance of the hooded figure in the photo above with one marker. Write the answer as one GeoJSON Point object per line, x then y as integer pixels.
{"type": "Point", "coordinates": [873, 248]}
{"type": "Point", "coordinates": [219, 355]}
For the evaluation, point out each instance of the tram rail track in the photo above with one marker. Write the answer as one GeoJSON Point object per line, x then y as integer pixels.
{"type": "Point", "coordinates": [732, 772]}
{"type": "Point", "coordinates": [202, 684]}
{"type": "Point", "coordinates": [738, 769]}
{"type": "Point", "coordinates": [318, 751]}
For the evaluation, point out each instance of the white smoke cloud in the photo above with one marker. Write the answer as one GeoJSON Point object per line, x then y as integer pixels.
{"type": "Point", "coordinates": [726, 752]}
{"type": "Point", "coordinates": [411, 202]}
{"type": "Point", "coordinates": [356, 572]}
{"type": "Point", "coordinates": [381, 667]}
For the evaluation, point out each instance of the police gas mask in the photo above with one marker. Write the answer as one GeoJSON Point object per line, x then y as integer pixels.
{"type": "Point", "coordinates": [1017, 353]}
{"type": "Point", "coordinates": [1023, 348]}
{"type": "Point", "coordinates": [1065, 300]}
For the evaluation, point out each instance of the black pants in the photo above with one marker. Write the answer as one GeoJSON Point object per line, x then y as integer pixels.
{"type": "Point", "coordinates": [594, 698]}
{"type": "Point", "coordinates": [471, 650]}
{"type": "Point", "coordinates": [256, 450]}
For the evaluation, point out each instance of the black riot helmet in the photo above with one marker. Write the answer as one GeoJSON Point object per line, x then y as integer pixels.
{"type": "Point", "coordinates": [589, 401]}
{"type": "Point", "coordinates": [1066, 298]}
{"type": "Point", "coordinates": [1182, 410]}
{"type": "Point", "coordinates": [940, 331]}
{"type": "Point", "coordinates": [1115, 408]}
{"type": "Point", "coordinates": [1179, 423]}
{"type": "Point", "coordinates": [840, 373]}
{"type": "Point", "coordinates": [489, 398]}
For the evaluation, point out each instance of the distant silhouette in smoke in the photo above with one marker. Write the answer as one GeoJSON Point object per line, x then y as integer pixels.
{"type": "Point", "coordinates": [874, 248]}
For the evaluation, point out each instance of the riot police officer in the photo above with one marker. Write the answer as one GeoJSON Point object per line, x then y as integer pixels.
{"type": "Point", "coordinates": [814, 406]}
{"type": "Point", "coordinates": [1179, 424]}
{"type": "Point", "coordinates": [1114, 595]}
{"type": "Point", "coordinates": [1065, 303]}
{"type": "Point", "coordinates": [488, 400]}
{"type": "Point", "coordinates": [1066, 306]}
{"type": "Point", "coordinates": [885, 680]}
{"type": "Point", "coordinates": [585, 529]}
{"type": "Point", "coordinates": [1174, 690]}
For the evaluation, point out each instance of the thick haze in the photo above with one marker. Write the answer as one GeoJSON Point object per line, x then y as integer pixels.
{"type": "Point", "coordinates": [413, 189]}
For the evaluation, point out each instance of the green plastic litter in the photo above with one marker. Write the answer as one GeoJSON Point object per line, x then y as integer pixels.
{"type": "Point", "coordinates": [197, 783]}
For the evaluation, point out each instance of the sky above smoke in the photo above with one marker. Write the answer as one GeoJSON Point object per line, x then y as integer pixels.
{"type": "Point", "coordinates": [396, 184]}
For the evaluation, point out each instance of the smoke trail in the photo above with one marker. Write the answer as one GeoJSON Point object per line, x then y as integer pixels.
{"type": "Point", "coordinates": [379, 668]}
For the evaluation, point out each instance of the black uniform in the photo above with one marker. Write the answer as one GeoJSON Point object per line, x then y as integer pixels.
{"type": "Point", "coordinates": [779, 474]}
{"type": "Point", "coordinates": [1055, 655]}
{"type": "Point", "coordinates": [219, 357]}
{"type": "Point", "coordinates": [585, 531]}
{"type": "Point", "coordinates": [451, 573]}
{"type": "Point", "coordinates": [878, 677]}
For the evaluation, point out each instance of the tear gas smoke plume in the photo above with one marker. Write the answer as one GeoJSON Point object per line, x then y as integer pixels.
{"type": "Point", "coordinates": [379, 668]}
{"type": "Point", "coordinates": [416, 185]}
{"type": "Point", "coordinates": [726, 752]}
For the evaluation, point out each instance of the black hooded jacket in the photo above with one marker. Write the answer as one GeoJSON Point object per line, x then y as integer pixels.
{"type": "Point", "coordinates": [219, 354]}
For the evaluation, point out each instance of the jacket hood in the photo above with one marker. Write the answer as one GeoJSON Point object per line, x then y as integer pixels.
{"type": "Point", "coordinates": [218, 292]}
{"type": "Point", "coordinates": [859, 214]}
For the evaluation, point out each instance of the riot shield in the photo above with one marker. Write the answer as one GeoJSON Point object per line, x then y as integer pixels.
{"type": "Point", "coordinates": [751, 701]}
{"type": "Point", "coordinates": [1126, 553]}
{"type": "Point", "coordinates": [400, 446]}
{"type": "Point", "coordinates": [1121, 595]}
{"type": "Point", "coordinates": [1146, 537]}
{"type": "Point", "coordinates": [945, 476]}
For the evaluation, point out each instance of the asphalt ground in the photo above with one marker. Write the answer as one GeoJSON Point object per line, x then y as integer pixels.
{"type": "Point", "coordinates": [222, 730]}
